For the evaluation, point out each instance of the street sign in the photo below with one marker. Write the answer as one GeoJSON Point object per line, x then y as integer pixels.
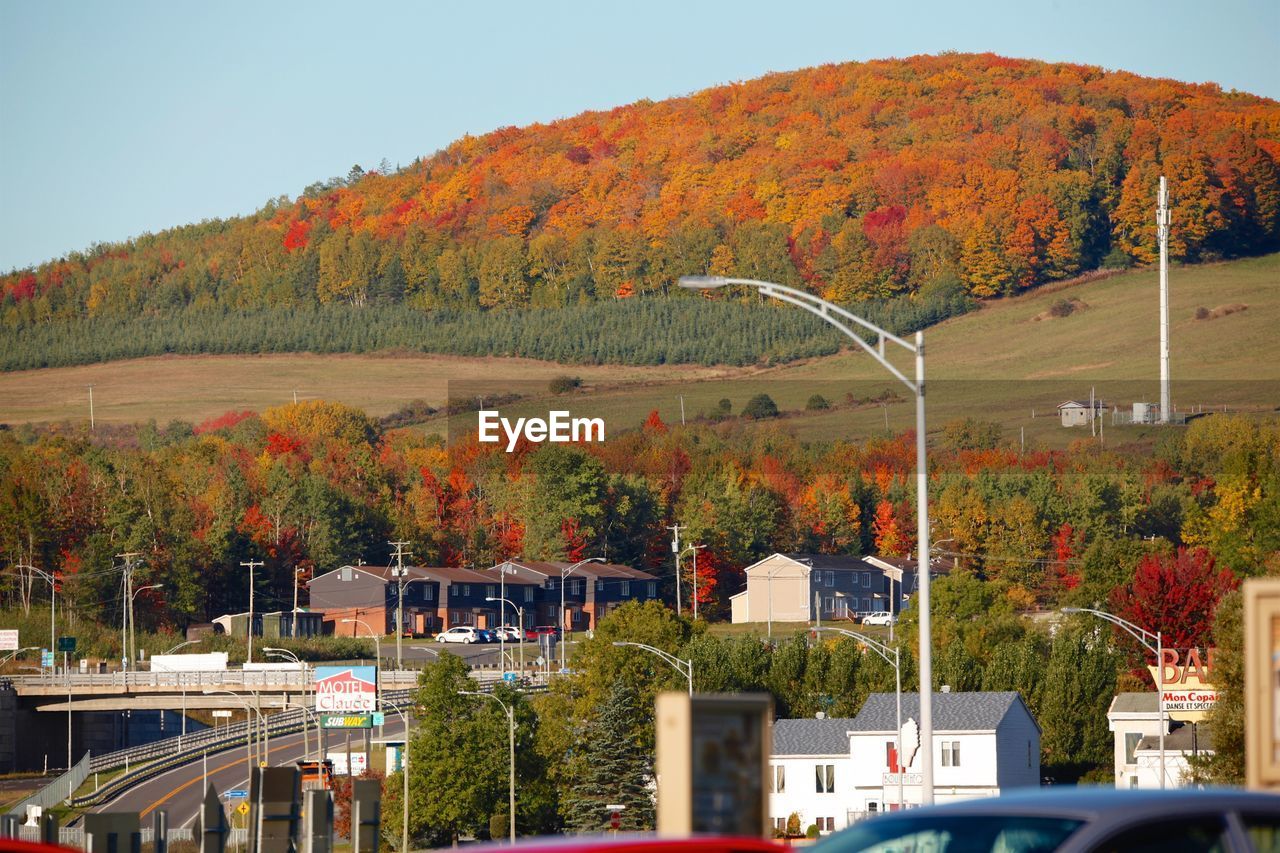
{"type": "Point", "coordinates": [346, 721]}
{"type": "Point", "coordinates": [9, 640]}
{"type": "Point", "coordinates": [46, 657]}
{"type": "Point", "coordinates": [242, 809]}
{"type": "Point", "coordinates": [222, 714]}
{"type": "Point", "coordinates": [66, 644]}
{"type": "Point", "coordinates": [237, 794]}
{"type": "Point", "coordinates": [615, 820]}
{"type": "Point", "coordinates": [379, 718]}
{"type": "Point", "coordinates": [509, 677]}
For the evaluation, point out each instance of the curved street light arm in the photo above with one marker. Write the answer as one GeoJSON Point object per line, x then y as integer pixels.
{"type": "Point", "coordinates": [833, 314]}
{"type": "Point", "coordinates": [1149, 639]}
{"type": "Point", "coordinates": [874, 645]}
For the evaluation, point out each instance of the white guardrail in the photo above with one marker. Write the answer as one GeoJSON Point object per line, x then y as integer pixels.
{"type": "Point", "coordinates": [126, 682]}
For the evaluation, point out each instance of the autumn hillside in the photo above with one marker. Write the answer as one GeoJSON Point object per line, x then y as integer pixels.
{"type": "Point", "coordinates": [924, 178]}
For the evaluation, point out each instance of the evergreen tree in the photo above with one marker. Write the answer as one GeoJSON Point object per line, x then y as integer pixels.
{"type": "Point", "coordinates": [617, 767]}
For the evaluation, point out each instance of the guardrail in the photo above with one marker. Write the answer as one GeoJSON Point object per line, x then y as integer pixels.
{"type": "Point", "coordinates": [125, 682]}
{"type": "Point", "coordinates": [56, 791]}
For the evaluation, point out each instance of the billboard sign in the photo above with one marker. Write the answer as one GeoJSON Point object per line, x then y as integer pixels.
{"type": "Point", "coordinates": [346, 721]}
{"type": "Point", "coordinates": [9, 640]}
{"type": "Point", "coordinates": [346, 689]}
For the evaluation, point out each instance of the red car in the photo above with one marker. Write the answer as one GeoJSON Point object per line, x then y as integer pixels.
{"type": "Point", "coordinates": [541, 630]}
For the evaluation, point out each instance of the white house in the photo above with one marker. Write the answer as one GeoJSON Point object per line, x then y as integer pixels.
{"type": "Point", "coordinates": [983, 744]}
{"type": "Point", "coordinates": [1075, 413]}
{"type": "Point", "coordinates": [1134, 720]}
{"type": "Point", "coordinates": [806, 587]}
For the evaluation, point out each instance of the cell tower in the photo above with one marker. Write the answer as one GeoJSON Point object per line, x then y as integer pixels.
{"type": "Point", "coordinates": [1162, 234]}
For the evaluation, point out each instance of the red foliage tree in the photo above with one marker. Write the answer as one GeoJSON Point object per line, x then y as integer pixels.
{"type": "Point", "coordinates": [1176, 596]}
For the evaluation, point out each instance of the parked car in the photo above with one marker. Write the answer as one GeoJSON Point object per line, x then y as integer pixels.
{"type": "Point", "coordinates": [1076, 820]}
{"type": "Point", "coordinates": [541, 630]}
{"type": "Point", "coordinates": [460, 634]}
{"type": "Point", "coordinates": [510, 633]}
{"type": "Point", "coordinates": [632, 843]}
{"type": "Point", "coordinates": [881, 618]}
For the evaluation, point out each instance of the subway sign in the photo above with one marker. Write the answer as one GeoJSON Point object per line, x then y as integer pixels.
{"type": "Point", "coordinates": [346, 721]}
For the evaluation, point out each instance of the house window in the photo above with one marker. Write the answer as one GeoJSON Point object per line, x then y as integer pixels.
{"type": "Point", "coordinates": [1131, 745]}
{"type": "Point", "coordinates": [866, 580]}
{"type": "Point", "coordinates": [466, 590]}
{"type": "Point", "coordinates": [866, 605]}
{"type": "Point", "coordinates": [830, 825]}
{"type": "Point", "coordinates": [831, 579]}
{"type": "Point", "coordinates": [528, 593]}
{"type": "Point", "coordinates": [626, 588]}
{"type": "Point", "coordinates": [453, 591]}
{"type": "Point", "coordinates": [951, 753]}
{"type": "Point", "coordinates": [872, 807]}
{"type": "Point", "coordinates": [780, 825]}
{"type": "Point", "coordinates": [824, 778]}
{"type": "Point", "coordinates": [428, 593]}
{"type": "Point", "coordinates": [490, 591]}
{"type": "Point", "coordinates": [890, 757]}
{"type": "Point", "coordinates": [828, 604]}
{"type": "Point", "coordinates": [778, 781]}
{"type": "Point", "coordinates": [653, 589]}
{"type": "Point", "coordinates": [1133, 781]}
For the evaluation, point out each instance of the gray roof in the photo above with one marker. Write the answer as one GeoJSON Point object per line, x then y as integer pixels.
{"type": "Point", "coordinates": [811, 736]}
{"type": "Point", "coordinates": [952, 712]}
{"type": "Point", "coordinates": [836, 562]}
{"type": "Point", "coordinates": [1135, 703]}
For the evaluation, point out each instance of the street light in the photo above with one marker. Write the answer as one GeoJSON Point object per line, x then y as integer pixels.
{"type": "Point", "coordinates": [273, 651]}
{"type": "Point", "coordinates": [695, 549]}
{"type": "Point", "coordinates": [883, 650]}
{"type": "Point", "coordinates": [564, 573]}
{"type": "Point", "coordinates": [377, 653]}
{"type": "Point", "coordinates": [502, 636]}
{"type": "Point", "coordinates": [133, 642]}
{"type": "Point", "coordinates": [404, 779]}
{"type": "Point", "coordinates": [841, 319]}
{"type": "Point", "coordinates": [53, 595]}
{"type": "Point", "coordinates": [684, 667]}
{"type": "Point", "coordinates": [1145, 637]}
{"type": "Point", "coordinates": [248, 739]}
{"type": "Point", "coordinates": [511, 721]}
{"type": "Point", "coordinates": [13, 654]}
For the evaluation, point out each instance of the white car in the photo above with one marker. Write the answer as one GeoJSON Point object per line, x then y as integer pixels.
{"type": "Point", "coordinates": [459, 634]}
{"type": "Point", "coordinates": [883, 618]}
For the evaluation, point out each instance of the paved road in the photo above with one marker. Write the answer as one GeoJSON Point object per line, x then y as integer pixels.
{"type": "Point", "coordinates": [180, 791]}
{"type": "Point", "coordinates": [475, 654]}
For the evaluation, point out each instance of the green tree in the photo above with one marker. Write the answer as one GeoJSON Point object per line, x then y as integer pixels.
{"type": "Point", "coordinates": [617, 766]}
{"type": "Point", "coordinates": [1079, 683]}
{"type": "Point", "coordinates": [1225, 766]}
{"type": "Point", "coordinates": [760, 406]}
{"type": "Point", "coordinates": [562, 484]}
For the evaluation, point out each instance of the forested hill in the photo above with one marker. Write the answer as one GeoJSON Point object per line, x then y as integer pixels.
{"type": "Point", "coordinates": [936, 175]}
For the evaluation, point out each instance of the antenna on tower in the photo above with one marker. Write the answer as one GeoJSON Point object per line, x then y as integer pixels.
{"type": "Point", "coordinates": [1163, 220]}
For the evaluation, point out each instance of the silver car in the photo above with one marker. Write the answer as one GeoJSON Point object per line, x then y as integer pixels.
{"type": "Point", "coordinates": [1076, 820]}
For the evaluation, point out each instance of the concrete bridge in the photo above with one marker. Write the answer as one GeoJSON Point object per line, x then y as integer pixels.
{"type": "Point", "coordinates": [121, 691]}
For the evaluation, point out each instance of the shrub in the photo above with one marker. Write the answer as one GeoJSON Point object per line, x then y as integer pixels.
{"type": "Point", "coordinates": [1202, 313]}
{"type": "Point", "coordinates": [816, 403]}
{"type": "Point", "coordinates": [1117, 259]}
{"type": "Point", "coordinates": [1062, 308]}
{"type": "Point", "coordinates": [563, 384]}
{"type": "Point", "coordinates": [812, 831]}
{"type": "Point", "coordinates": [724, 406]}
{"type": "Point", "coordinates": [760, 406]}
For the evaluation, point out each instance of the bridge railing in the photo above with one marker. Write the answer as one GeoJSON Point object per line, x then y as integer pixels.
{"type": "Point", "coordinates": [57, 791]}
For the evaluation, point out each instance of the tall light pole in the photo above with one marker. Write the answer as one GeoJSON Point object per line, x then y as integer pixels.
{"type": "Point", "coordinates": [842, 320]}
{"type": "Point", "coordinates": [133, 643]}
{"type": "Point", "coordinates": [519, 616]}
{"type": "Point", "coordinates": [1152, 642]}
{"type": "Point", "coordinates": [564, 573]}
{"type": "Point", "coordinates": [126, 603]}
{"type": "Point", "coordinates": [377, 653]}
{"type": "Point", "coordinates": [675, 549]}
{"type": "Point", "coordinates": [511, 721]}
{"type": "Point", "coordinates": [404, 780]}
{"type": "Point", "coordinates": [695, 549]}
{"type": "Point", "coordinates": [293, 658]}
{"type": "Point", "coordinates": [251, 564]}
{"type": "Point", "coordinates": [248, 739]}
{"type": "Point", "coordinates": [684, 667]}
{"type": "Point", "coordinates": [53, 595]}
{"type": "Point", "coordinates": [293, 619]}
{"type": "Point", "coordinates": [895, 662]}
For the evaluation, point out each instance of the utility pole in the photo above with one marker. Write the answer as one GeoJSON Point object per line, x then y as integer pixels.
{"type": "Point", "coordinates": [399, 573]}
{"type": "Point", "coordinates": [1163, 221]}
{"type": "Point", "coordinates": [126, 606]}
{"type": "Point", "coordinates": [90, 408]}
{"type": "Point", "coordinates": [251, 564]}
{"type": "Point", "coordinates": [675, 548]}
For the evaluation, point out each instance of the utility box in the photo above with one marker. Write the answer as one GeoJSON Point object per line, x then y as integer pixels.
{"type": "Point", "coordinates": [713, 760]}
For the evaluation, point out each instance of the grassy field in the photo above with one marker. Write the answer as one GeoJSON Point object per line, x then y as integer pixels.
{"type": "Point", "coordinates": [1011, 362]}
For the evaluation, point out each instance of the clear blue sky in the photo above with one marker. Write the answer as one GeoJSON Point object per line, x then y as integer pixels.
{"type": "Point", "coordinates": [118, 118]}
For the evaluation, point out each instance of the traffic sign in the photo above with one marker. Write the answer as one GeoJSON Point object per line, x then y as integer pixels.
{"type": "Point", "coordinates": [509, 677]}
{"type": "Point", "coordinates": [8, 640]}
{"type": "Point", "coordinates": [66, 644]}
{"type": "Point", "coordinates": [379, 718]}
{"type": "Point", "coordinates": [237, 794]}
{"type": "Point", "coordinates": [615, 820]}
{"type": "Point", "coordinates": [242, 809]}
{"type": "Point", "coordinates": [46, 657]}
